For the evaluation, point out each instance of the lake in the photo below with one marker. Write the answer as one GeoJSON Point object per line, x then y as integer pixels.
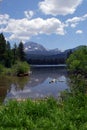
{"type": "Point", "coordinates": [44, 81]}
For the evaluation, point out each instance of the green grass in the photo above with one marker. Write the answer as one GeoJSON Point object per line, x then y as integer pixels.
{"type": "Point", "coordinates": [18, 68]}
{"type": "Point", "coordinates": [45, 114]}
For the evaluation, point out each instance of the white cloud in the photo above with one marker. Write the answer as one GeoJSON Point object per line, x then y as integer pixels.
{"type": "Point", "coordinates": [79, 32]}
{"type": "Point", "coordinates": [73, 22]}
{"type": "Point", "coordinates": [59, 7]}
{"type": "Point", "coordinates": [29, 14]}
{"type": "Point", "coordinates": [4, 19]}
{"type": "Point", "coordinates": [23, 29]}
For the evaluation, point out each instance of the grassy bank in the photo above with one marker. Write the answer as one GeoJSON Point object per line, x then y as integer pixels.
{"type": "Point", "coordinates": [47, 114]}
{"type": "Point", "coordinates": [19, 67]}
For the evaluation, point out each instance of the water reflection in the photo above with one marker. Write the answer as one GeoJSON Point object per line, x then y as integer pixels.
{"type": "Point", "coordinates": [38, 84]}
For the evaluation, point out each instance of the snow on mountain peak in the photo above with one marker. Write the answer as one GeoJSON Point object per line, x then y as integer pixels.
{"type": "Point", "coordinates": [35, 48]}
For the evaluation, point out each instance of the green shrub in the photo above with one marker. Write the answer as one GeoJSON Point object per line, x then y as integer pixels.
{"type": "Point", "coordinates": [7, 71]}
{"type": "Point", "coordinates": [78, 60]}
{"type": "Point", "coordinates": [20, 68]}
{"type": "Point", "coordinates": [1, 68]}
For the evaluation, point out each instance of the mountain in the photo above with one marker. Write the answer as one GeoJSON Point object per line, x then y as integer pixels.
{"type": "Point", "coordinates": [54, 51]}
{"type": "Point", "coordinates": [37, 54]}
{"type": "Point", "coordinates": [35, 48]}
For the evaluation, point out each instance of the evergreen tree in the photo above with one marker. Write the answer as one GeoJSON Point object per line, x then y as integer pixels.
{"type": "Point", "coordinates": [15, 53]}
{"type": "Point", "coordinates": [21, 53]}
{"type": "Point", "coordinates": [2, 48]}
{"type": "Point", "coordinates": [8, 57]}
{"type": "Point", "coordinates": [8, 47]}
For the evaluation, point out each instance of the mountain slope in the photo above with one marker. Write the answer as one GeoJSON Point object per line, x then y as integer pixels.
{"type": "Point", "coordinates": [37, 54]}
{"type": "Point", "coordinates": [35, 48]}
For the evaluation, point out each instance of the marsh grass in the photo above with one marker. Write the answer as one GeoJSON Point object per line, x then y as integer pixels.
{"type": "Point", "coordinates": [48, 114]}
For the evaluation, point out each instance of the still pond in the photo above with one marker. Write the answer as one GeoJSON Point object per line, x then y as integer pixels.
{"type": "Point", "coordinates": [44, 81]}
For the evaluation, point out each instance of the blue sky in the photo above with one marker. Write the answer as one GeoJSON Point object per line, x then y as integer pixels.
{"type": "Point", "coordinates": [53, 23]}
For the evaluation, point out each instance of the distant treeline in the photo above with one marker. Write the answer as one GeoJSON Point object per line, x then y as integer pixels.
{"type": "Point", "coordinates": [51, 59]}
{"type": "Point", "coordinates": [46, 61]}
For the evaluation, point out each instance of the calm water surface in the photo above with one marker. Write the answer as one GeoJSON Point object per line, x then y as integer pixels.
{"type": "Point", "coordinates": [42, 82]}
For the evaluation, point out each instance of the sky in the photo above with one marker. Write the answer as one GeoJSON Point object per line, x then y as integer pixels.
{"type": "Point", "coordinates": [52, 23]}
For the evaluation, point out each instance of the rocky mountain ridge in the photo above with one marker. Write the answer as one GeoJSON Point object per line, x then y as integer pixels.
{"type": "Point", "coordinates": [35, 48]}
{"type": "Point", "coordinates": [37, 54]}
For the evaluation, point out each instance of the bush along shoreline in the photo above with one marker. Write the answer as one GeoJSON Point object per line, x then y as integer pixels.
{"type": "Point", "coordinates": [18, 69]}
{"type": "Point", "coordinates": [77, 62]}
{"type": "Point", "coordinates": [21, 69]}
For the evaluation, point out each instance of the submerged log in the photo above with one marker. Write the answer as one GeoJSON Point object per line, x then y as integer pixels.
{"type": "Point", "coordinates": [22, 75]}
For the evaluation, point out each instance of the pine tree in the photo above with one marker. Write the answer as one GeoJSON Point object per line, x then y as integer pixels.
{"type": "Point", "coordinates": [15, 53]}
{"type": "Point", "coordinates": [2, 48]}
{"type": "Point", "coordinates": [8, 47]}
{"type": "Point", "coordinates": [8, 55]}
{"type": "Point", "coordinates": [21, 53]}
